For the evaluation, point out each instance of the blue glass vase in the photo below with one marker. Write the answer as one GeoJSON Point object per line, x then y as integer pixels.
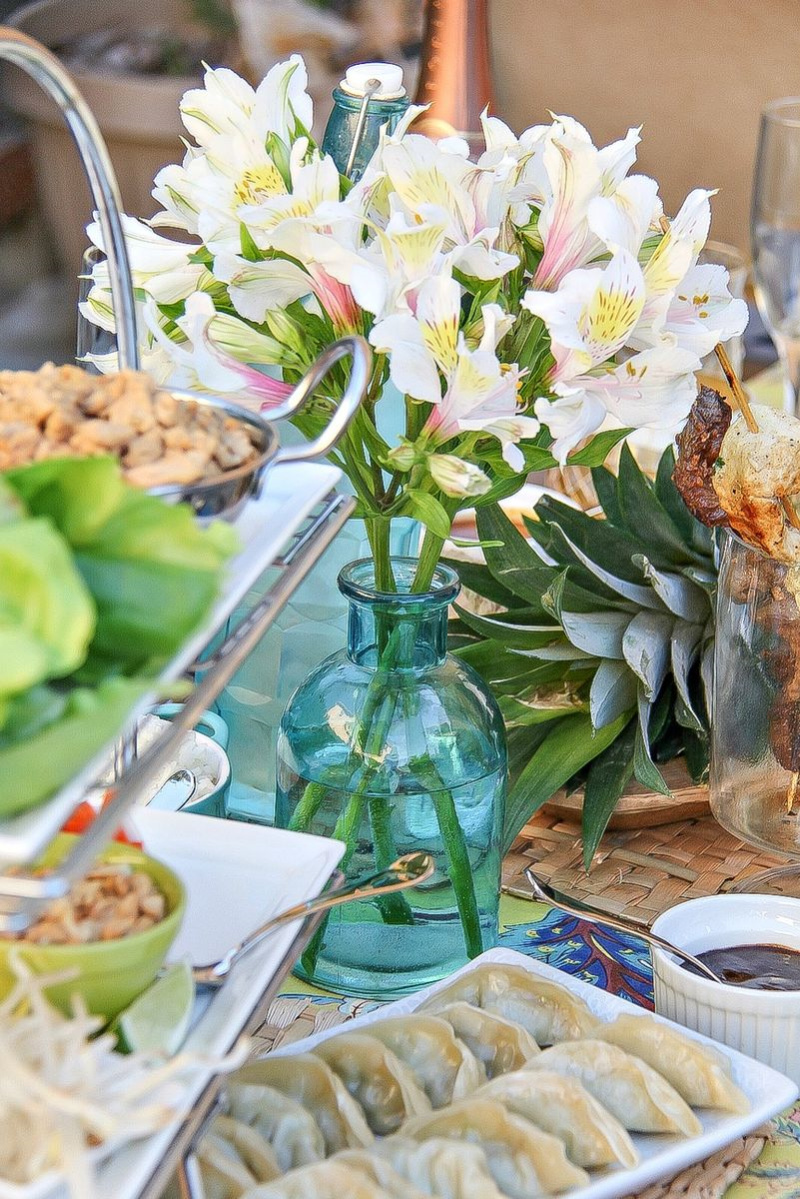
{"type": "Point", "coordinates": [393, 745]}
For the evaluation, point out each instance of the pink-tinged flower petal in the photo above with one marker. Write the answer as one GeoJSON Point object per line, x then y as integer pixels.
{"type": "Point", "coordinates": [220, 371]}
{"type": "Point", "coordinates": [337, 300]}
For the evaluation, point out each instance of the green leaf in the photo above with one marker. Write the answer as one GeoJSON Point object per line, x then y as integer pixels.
{"type": "Point", "coordinates": [643, 597]}
{"type": "Point", "coordinates": [34, 768]}
{"type": "Point", "coordinates": [679, 594]}
{"type": "Point", "coordinates": [609, 775]}
{"type": "Point", "coordinates": [685, 649]}
{"type": "Point", "coordinates": [569, 746]}
{"type": "Point", "coordinates": [477, 577]}
{"type": "Point", "coordinates": [612, 692]}
{"type": "Point", "coordinates": [646, 647]}
{"type": "Point", "coordinates": [517, 566]}
{"type": "Point", "coordinates": [516, 712]}
{"type": "Point", "coordinates": [515, 635]}
{"type": "Point", "coordinates": [605, 484]}
{"type": "Point", "coordinates": [670, 498]}
{"type": "Point", "coordinates": [646, 517]}
{"type": "Point", "coordinates": [250, 250]}
{"type": "Point", "coordinates": [609, 548]}
{"type": "Point", "coordinates": [598, 633]}
{"type": "Point", "coordinates": [425, 508]}
{"type": "Point", "coordinates": [651, 721]}
{"type": "Point", "coordinates": [598, 449]}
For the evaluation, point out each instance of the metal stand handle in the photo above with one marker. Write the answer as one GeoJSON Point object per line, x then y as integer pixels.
{"type": "Point", "coordinates": [48, 72]}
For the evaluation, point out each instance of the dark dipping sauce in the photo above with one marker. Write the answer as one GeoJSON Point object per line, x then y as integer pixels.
{"type": "Point", "coordinates": [762, 967]}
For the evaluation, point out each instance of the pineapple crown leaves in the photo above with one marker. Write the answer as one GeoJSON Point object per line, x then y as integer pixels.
{"type": "Point", "coordinates": [597, 641]}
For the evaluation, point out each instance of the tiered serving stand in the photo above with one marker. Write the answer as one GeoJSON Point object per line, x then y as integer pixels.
{"type": "Point", "coordinates": [285, 526]}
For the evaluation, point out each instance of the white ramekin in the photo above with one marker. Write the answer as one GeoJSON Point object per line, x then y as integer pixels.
{"type": "Point", "coordinates": [763, 1024]}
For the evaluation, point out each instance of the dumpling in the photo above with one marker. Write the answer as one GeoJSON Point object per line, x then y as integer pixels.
{"type": "Point", "coordinates": [562, 1105]}
{"type": "Point", "coordinates": [523, 1160]}
{"type": "Point", "coordinates": [549, 1012]}
{"type": "Point", "coordinates": [322, 1180]}
{"type": "Point", "coordinates": [233, 1159]}
{"type": "Point", "coordinates": [698, 1073]}
{"type": "Point", "coordinates": [376, 1078]}
{"type": "Point", "coordinates": [499, 1043]}
{"type": "Point", "coordinates": [224, 1174]}
{"type": "Point", "coordinates": [283, 1122]}
{"type": "Point", "coordinates": [631, 1090]}
{"type": "Point", "coordinates": [379, 1169]}
{"type": "Point", "coordinates": [442, 1065]}
{"type": "Point", "coordinates": [447, 1169]}
{"type": "Point", "coordinates": [306, 1078]}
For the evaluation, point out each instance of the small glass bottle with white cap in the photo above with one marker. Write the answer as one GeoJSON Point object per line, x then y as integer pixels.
{"type": "Point", "coordinates": [370, 97]}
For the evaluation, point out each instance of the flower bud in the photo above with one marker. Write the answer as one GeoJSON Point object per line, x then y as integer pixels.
{"type": "Point", "coordinates": [402, 457]}
{"type": "Point", "coordinates": [456, 477]}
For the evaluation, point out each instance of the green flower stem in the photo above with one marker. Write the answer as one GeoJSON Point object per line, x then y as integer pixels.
{"type": "Point", "coordinates": [308, 807]}
{"type": "Point", "coordinates": [429, 557]}
{"type": "Point", "coordinates": [459, 866]}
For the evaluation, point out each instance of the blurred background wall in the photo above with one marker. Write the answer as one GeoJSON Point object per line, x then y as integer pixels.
{"type": "Point", "coordinates": [694, 73]}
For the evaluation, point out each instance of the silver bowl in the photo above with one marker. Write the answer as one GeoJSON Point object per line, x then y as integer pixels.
{"type": "Point", "coordinates": [224, 495]}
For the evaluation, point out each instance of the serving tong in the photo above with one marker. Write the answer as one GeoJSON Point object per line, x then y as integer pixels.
{"type": "Point", "coordinates": [407, 871]}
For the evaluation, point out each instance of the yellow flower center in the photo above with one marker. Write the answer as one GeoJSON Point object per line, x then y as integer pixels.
{"type": "Point", "coordinates": [259, 183]}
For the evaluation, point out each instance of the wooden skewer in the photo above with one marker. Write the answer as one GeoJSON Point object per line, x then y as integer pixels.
{"type": "Point", "coordinates": [740, 395]}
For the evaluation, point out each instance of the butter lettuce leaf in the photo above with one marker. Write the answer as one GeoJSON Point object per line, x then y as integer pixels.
{"type": "Point", "coordinates": [81, 722]}
{"type": "Point", "coordinates": [47, 615]}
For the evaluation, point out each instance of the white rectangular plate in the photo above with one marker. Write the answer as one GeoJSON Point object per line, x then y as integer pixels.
{"type": "Point", "coordinates": [660, 1156]}
{"type": "Point", "coordinates": [264, 525]}
{"type": "Point", "coordinates": [236, 877]}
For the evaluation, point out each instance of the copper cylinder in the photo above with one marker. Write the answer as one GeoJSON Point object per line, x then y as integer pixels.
{"type": "Point", "coordinates": [455, 73]}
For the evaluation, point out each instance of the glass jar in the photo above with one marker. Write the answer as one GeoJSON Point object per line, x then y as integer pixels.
{"type": "Point", "coordinates": [755, 729]}
{"type": "Point", "coordinates": [393, 745]}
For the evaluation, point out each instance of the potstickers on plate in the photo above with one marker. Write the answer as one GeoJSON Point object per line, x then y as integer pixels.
{"type": "Point", "coordinates": [503, 1085]}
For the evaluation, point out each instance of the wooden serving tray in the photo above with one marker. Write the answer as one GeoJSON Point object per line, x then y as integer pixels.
{"type": "Point", "coordinates": [640, 808]}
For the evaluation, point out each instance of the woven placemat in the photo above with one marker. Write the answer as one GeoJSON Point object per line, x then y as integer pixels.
{"type": "Point", "coordinates": [291, 1018]}
{"type": "Point", "coordinates": [711, 1178]}
{"type": "Point", "coordinates": [637, 873]}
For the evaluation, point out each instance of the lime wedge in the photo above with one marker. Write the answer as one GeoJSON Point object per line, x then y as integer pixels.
{"type": "Point", "coordinates": [158, 1020]}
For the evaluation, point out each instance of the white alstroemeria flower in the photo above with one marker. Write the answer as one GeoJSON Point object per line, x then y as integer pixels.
{"type": "Point", "coordinates": [201, 362]}
{"type": "Point", "coordinates": [664, 272]}
{"type": "Point", "coordinates": [256, 288]}
{"type": "Point", "coordinates": [575, 172]}
{"type": "Point", "coordinates": [623, 220]}
{"type": "Point", "coordinates": [570, 418]}
{"type": "Point", "coordinates": [422, 174]}
{"type": "Point", "coordinates": [456, 477]}
{"type": "Point", "coordinates": [283, 105]}
{"type": "Point", "coordinates": [224, 104]}
{"type": "Point", "coordinates": [654, 390]}
{"type": "Point", "coordinates": [469, 389]}
{"type": "Point", "coordinates": [592, 314]}
{"type": "Point", "coordinates": [385, 275]}
{"type": "Point", "coordinates": [509, 432]}
{"type": "Point", "coordinates": [227, 105]}
{"type": "Point", "coordinates": [161, 267]}
{"type": "Point", "coordinates": [701, 313]}
{"type": "Point", "coordinates": [314, 183]}
{"type": "Point", "coordinates": [153, 359]}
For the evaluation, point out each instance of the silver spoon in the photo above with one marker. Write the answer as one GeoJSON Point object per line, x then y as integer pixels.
{"type": "Point", "coordinates": [174, 794]}
{"type": "Point", "coordinates": [547, 895]}
{"type": "Point", "coordinates": [407, 871]}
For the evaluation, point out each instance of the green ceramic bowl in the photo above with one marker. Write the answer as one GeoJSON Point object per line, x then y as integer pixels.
{"type": "Point", "coordinates": [111, 973]}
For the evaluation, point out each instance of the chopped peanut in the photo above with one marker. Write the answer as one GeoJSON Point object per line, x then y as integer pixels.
{"type": "Point", "coordinates": [110, 902]}
{"type": "Point", "coordinates": [158, 439]}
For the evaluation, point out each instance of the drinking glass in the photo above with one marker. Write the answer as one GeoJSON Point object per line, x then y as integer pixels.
{"type": "Point", "coordinates": [775, 236]}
